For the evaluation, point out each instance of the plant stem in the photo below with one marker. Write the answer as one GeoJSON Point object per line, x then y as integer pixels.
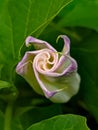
{"type": "Point", "coordinates": [8, 116]}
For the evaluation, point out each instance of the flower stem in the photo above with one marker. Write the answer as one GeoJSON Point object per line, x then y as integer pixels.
{"type": "Point", "coordinates": [8, 116]}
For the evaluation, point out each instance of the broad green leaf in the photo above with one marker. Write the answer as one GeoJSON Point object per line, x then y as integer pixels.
{"type": "Point", "coordinates": [20, 19]}
{"type": "Point", "coordinates": [80, 13]}
{"type": "Point", "coordinates": [62, 122]}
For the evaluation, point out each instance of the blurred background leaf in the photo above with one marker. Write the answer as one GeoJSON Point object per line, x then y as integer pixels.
{"type": "Point", "coordinates": [86, 53]}
{"type": "Point", "coordinates": [4, 84]}
{"type": "Point", "coordinates": [80, 13]}
{"type": "Point", "coordinates": [34, 115]}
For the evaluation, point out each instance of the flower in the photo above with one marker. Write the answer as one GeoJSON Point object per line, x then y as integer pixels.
{"type": "Point", "coordinates": [49, 72]}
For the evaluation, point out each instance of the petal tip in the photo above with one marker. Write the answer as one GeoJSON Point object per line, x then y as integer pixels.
{"type": "Point", "coordinates": [18, 69]}
{"type": "Point", "coordinates": [50, 94]}
{"type": "Point", "coordinates": [64, 37]}
{"type": "Point", "coordinates": [28, 40]}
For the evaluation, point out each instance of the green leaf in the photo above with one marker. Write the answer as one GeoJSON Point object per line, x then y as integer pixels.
{"type": "Point", "coordinates": [86, 53]}
{"type": "Point", "coordinates": [20, 19]}
{"type": "Point", "coordinates": [80, 13]}
{"type": "Point", "coordinates": [36, 114]}
{"type": "Point", "coordinates": [4, 84]}
{"type": "Point", "coordinates": [61, 122]}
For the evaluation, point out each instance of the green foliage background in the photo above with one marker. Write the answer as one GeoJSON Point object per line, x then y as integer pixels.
{"type": "Point", "coordinates": [20, 107]}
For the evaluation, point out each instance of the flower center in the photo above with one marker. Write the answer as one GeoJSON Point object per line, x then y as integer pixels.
{"type": "Point", "coordinates": [45, 60]}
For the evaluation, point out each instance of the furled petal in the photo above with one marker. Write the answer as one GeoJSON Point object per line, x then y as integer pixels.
{"type": "Point", "coordinates": [65, 66]}
{"type": "Point", "coordinates": [59, 89]}
{"type": "Point", "coordinates": [24, 68]}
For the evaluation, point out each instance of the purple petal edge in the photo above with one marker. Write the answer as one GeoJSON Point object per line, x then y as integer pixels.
{"type": "Point", "coordinates": [31, 39]}
{"type": "Point", "coordinates": [38, 43]}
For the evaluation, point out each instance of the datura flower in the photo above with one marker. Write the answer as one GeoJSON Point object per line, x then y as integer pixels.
{"type": "Point", "coordinates": [50, 73]}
